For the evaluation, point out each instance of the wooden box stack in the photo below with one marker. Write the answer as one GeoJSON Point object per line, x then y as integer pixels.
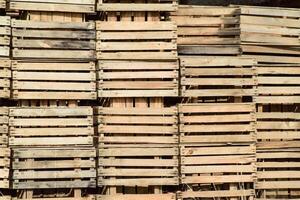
{"type": "Point", "coordinates": [5, 154]}
{"type": "Point", "coordinates": [271, 35]}
{"type": "Point", "coordinates": [51, 134]}
{"type": "Point", "coordinates": [145, 100]}
{"type": "Point", "coordinates": [137, 59]}
{"type": "Point", "coordinates": [5, 63]}
{"type": "Point", "coordinates": [217, 116]}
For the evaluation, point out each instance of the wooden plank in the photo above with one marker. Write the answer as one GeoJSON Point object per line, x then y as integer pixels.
{"type": "Point", "coordinates": [168, 196]}
{"type": "Point", "coordinates": [149, 7]}
{"type": "Point", "coordinates": [51, 7]}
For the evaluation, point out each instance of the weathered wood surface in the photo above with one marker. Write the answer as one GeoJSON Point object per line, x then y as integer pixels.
{"type": "Point", "coordinates": [5, 155]}
{"type": "Point", "coordinates": [51, 126]}
{"type": "Point", "coordinates": [138, 166]}
{"type": "Point", "coordinates": [40, 168]}
{"type": "Point", "coordinates": [75, 6]}
{"type": "Point", "coordinates": [207, 30]}
{"type": "Point", "coordinates": [53, 40]}
{"type": "Point", "coordinates": [278, 83]}
{"type": "Point", "coordinates": [151, 6]}
{"type": "Point", "coordinates": [55, 80]}
{"type": "Point", "coordinates": [217, 123]}
{"type": "Point", "coordinates": [217, 76]}
{"type": "Point", "coordinates": [144, 126]}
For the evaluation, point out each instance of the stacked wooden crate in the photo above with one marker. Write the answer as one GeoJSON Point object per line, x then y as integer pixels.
{"type": "Point", "coordinates": [5, 63]}
{"type": "Point", "coordinates": [217, 118]}
{"type": "Point", "coordinates": [271, 35]}
{"type": "Point", "coordinates": [5, 155]}
{"type": "Point", "coordinates": [207, 30]}
{"type": "Point", "coordinates": [52, 136]}
{"type": "Point", "coordinates": [137, 69]}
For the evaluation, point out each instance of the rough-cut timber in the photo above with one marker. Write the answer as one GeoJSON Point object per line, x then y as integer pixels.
{"type": "Point", "coordinates": [137, 59]}
{"type": "Point", "coordinates": [210, 76]}
{"type": "Point", "coordinates": [40, 168]}
{"type": "Point", "coordinates": [207, 30]}
{"type": "Point", "coordinates": [5, 34]}
{"type": "Point", "coordinates": [143, 126]}
{"type": "Point", "coordinates": [75, 6]}
{"type": "Point", "coordinates": [42, 127]}
{"type": "Point", "coordinates": [3, 127]}
{"type": "Point", "coordinates": [123, 5]}
{"type": "Point", "coordinates": [55, 80]}
{"type": "Point", "coordinates": [278, 83]}
{"type": "Point", "coordinates": [271, 35]}
{"type": "Point", "coordinates": [53, 40]}
{"type": "Point", "coordinates": [4, 167]}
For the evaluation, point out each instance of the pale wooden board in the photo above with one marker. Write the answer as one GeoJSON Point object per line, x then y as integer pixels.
{"type": "Point", "coordinates": [75, 6]}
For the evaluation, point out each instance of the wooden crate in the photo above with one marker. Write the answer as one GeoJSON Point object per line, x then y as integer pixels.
{"type": "Point", "coordinates": [137, 59]}
{"type": "Point", "coordinates": [75, 6]}
{"type": "Point", "coordinates": [168, 196]}
{"type": "Point", "coordinates": [142, 126]}
{"type": "Point", "coordinates": [126, 40]}
{"type": "Point", "coordinates": [221, 123]}
{"type": "Point", "coordinates": [271, 34]}
{"type": "Point", "coordinates": [278, 173]}
{"type": "Point", "coordinates": [278, 83]}
{"type": "Point", "coordinates": [3, 127]}
{"type": "Point", "coordinates": [41, 168]}
{"type": "Point", "coordinates": [5, 78]}
{"type": "Point", "coordinates": [48, 126]}
{"type": "Point", "coordinates": [138, 166]}
{"type": "Point", "coordinates": [278, 151]}
{"type": "Point", "coordinates": [207, 30]}
{"type": "Point", "coordinates": [4, 168]}
{"type": "Point", "coordinates": [55, 80]}
{"type": "Point", "coordinates": [276, 130]}
{"type": "Point", "coordinates": [217, 77]}
{"type": "Point", "coordinates": [5, 34]}
{"type": "Point", "coordinates": [210, 172]}
{"type": "Point", "coordinates": [137, 79]}
{"type": "Point", "coordinates": [53, 40]}
{"type": "Point", "coordinates": [123, 5]}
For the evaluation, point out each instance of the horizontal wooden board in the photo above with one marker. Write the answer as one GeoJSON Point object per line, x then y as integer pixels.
{"type": "Point", "coordinates": [86, 6]}
{"type": "Point", "coordinates": [160, 6]}
{"type": "Point", "coordinates": [168, 196]}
